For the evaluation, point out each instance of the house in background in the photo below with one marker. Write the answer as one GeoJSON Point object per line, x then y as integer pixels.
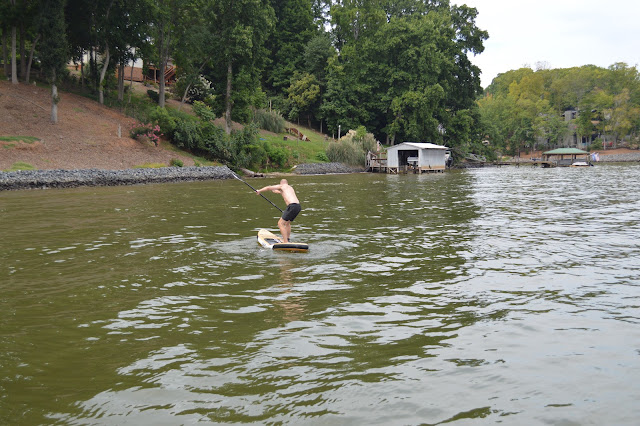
{"type": "Point", "coordinates": [414, 157]}
{"type": "Point", "coordinates": [139, 71]}
{"type": "Point", "coordinates": [149, 73]}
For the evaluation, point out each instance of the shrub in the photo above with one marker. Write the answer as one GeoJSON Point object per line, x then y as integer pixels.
{"type": "Point", "coordinates": [360, 137]}
{"type": "Point", "coordinates": [322, 156]}
{"type": "Point", "coordinates": [153, 133]}
{"type": "Point", "coordinates": [278, 156]}
{"type": "Point", "coordinates": [269, 120]}
{"type": "Point", "coordinates": [165, 120]}
{"type": "Point", "coordinates": [352, 148]}
{"type": "Point", "coordinates": [187, 134]}
{"type": "Point", "coordinates": [155, 97]}
{"type": "Point", "coordinates": [596, 145]}
{"type": "Point", "coordinates": [203, 111]}
{"type": "Point", "coordinates": [345, 152]}
{"type": "Point", "coordinates": [176, 163]}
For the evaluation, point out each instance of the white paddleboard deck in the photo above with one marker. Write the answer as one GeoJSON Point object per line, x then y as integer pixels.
{"type": "Point", "coordinates": [270, 240]}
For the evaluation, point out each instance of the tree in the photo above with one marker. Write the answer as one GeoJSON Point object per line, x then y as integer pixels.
{"type": "Point", "coordinates": [292, 31]}
{"type": "Point", "coordinates": [53, 50]}
{"type": "Point", "coordinates": [166, 14]}
{"type": "Point", "coordinates": [403, 68]}
{"type": "Point", "coordinates": [304, 94]}
{"type": "Point", "coordinates": [197, 48]}
{"type": "Point", "coordinates": [241, 28]}
{"type": "Point", "coordinates": [354, 20]}
{"type": "Point", "coordinates": [316, 56]}
{"type": "Point", "coordinates": [624, 115]}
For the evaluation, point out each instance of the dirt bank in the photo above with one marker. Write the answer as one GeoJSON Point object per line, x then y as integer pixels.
{"type": "Point", "coordinates": [86, 135]}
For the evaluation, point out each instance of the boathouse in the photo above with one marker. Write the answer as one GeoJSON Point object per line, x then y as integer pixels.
{"type": "Point", "coordinates": [566, 156]}
{"type": "Point", "coordinates": [414, 157]}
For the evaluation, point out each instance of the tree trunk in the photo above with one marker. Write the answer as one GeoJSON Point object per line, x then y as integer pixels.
{"type": "Point", "coordinates": [227, 113]}
{"type": "Point", "coordinates": [161, 85]}
{"type": "Point", "coordinates": [184, 96]}
{"type": "Point", "coordinates": [133, 62]}
{"type": "Point", "coordinates": [23, 56]}
{"type": "Point", "coordinates": [54, 100]}
{"type": "Point", "coordinates": [33, 48]}
{"type": "Point", "coordinates": [121, 81]}
{"type": "Point", "coordinates": [102, 74]}
{"type": "Point", "coordinates": [82, 68]}
{"type": "Point", "coordinates": [14, 66]}
{"type": "Point", "coordinates": [5, 54]}
{"type": "Point", "coordinates": [92, 67]}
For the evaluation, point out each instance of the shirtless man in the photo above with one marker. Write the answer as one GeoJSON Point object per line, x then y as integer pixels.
{"type": "Point", "coordinates": [292, 210]}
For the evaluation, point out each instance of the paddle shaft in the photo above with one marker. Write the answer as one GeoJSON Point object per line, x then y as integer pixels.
{"type": "Point", "coordinates": [255, 190]}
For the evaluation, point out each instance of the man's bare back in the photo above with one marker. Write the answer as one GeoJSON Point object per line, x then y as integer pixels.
{"type": "Point", "coordinates": [286, 190]}
{"type": "Point", "coordinates": [293, 206]}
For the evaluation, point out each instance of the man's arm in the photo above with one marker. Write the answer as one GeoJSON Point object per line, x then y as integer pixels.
{"type": "Point", "coordinates": [272, 188]}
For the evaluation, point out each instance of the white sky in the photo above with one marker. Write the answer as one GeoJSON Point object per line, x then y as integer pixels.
{"type": "Point", "coordinates": [561, 33]}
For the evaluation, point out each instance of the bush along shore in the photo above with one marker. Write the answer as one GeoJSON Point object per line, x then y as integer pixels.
{"type": "Point", "coordinates": [42, 179]}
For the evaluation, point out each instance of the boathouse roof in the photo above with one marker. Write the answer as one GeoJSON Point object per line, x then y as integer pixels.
{"type": "Point", "coordinates": [418, 145]}
{"type": "Point", "coordinates": [565, 151]}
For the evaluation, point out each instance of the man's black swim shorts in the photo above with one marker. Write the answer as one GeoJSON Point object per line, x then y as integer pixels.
{"type": "Point", "coordinates": [291, 212]}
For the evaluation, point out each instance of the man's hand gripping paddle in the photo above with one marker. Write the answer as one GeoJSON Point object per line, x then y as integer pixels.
{"type": "Point", "coordinates": [255, 190]}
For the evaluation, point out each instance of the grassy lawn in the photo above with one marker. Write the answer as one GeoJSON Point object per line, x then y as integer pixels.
{"type": "Point", "coordinates": [301, 151]}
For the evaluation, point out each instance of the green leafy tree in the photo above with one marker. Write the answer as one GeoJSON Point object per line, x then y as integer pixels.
{"type": "Point", "coordinates": [316, 56]}
{"type": "Point", "coordinates": [624, 115]}
{"type": "Point", "coordinates": [292, 31]}
{"type": "Point", "coordinates": [354, 20]}
{"type": "Point", "coordinates": [408, 75]}
{"type": "Point", "coordinates": [304, 94]}
{"type": "Point", "coordinates": [196, 50]}
{"type": "Point", "coordinates": [241, 28]}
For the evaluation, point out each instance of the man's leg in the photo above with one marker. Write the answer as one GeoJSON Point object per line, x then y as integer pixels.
{"type": "Point", "coordinates": [288, 230]}
{"type": "Point", "coordinates": [285, 229]}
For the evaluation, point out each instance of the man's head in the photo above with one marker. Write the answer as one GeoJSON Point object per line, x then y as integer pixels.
{"type": "Point", "coordinates": [284, 182]}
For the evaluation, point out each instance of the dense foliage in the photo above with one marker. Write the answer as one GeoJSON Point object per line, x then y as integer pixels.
{"type": "Point", "coordinates": [401, 70]}
{"type": "Point", "coordinates": [523, 109]}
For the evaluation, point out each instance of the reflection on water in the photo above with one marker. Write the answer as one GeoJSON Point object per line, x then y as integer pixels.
{"type": "Point", "coordinates": [501, 295]}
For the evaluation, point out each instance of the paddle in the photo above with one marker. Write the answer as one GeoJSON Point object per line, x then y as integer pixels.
{"type": "Point", "coordinates": [255, 190]}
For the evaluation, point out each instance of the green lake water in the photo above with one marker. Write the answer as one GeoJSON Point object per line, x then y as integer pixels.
{"type": "Point", "coordinates": [506, 295]}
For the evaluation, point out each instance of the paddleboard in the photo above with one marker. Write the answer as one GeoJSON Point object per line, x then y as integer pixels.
{"type": "Point", "coordinates": [268, 239]}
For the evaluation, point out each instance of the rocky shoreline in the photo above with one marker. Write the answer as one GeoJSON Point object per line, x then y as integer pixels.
{"type": "Point", "coordinates": [325, 169]}
{"type": "Point", "coordinates": [43, 179]}
{"type": "Point", "coordinates": [630, 157]}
